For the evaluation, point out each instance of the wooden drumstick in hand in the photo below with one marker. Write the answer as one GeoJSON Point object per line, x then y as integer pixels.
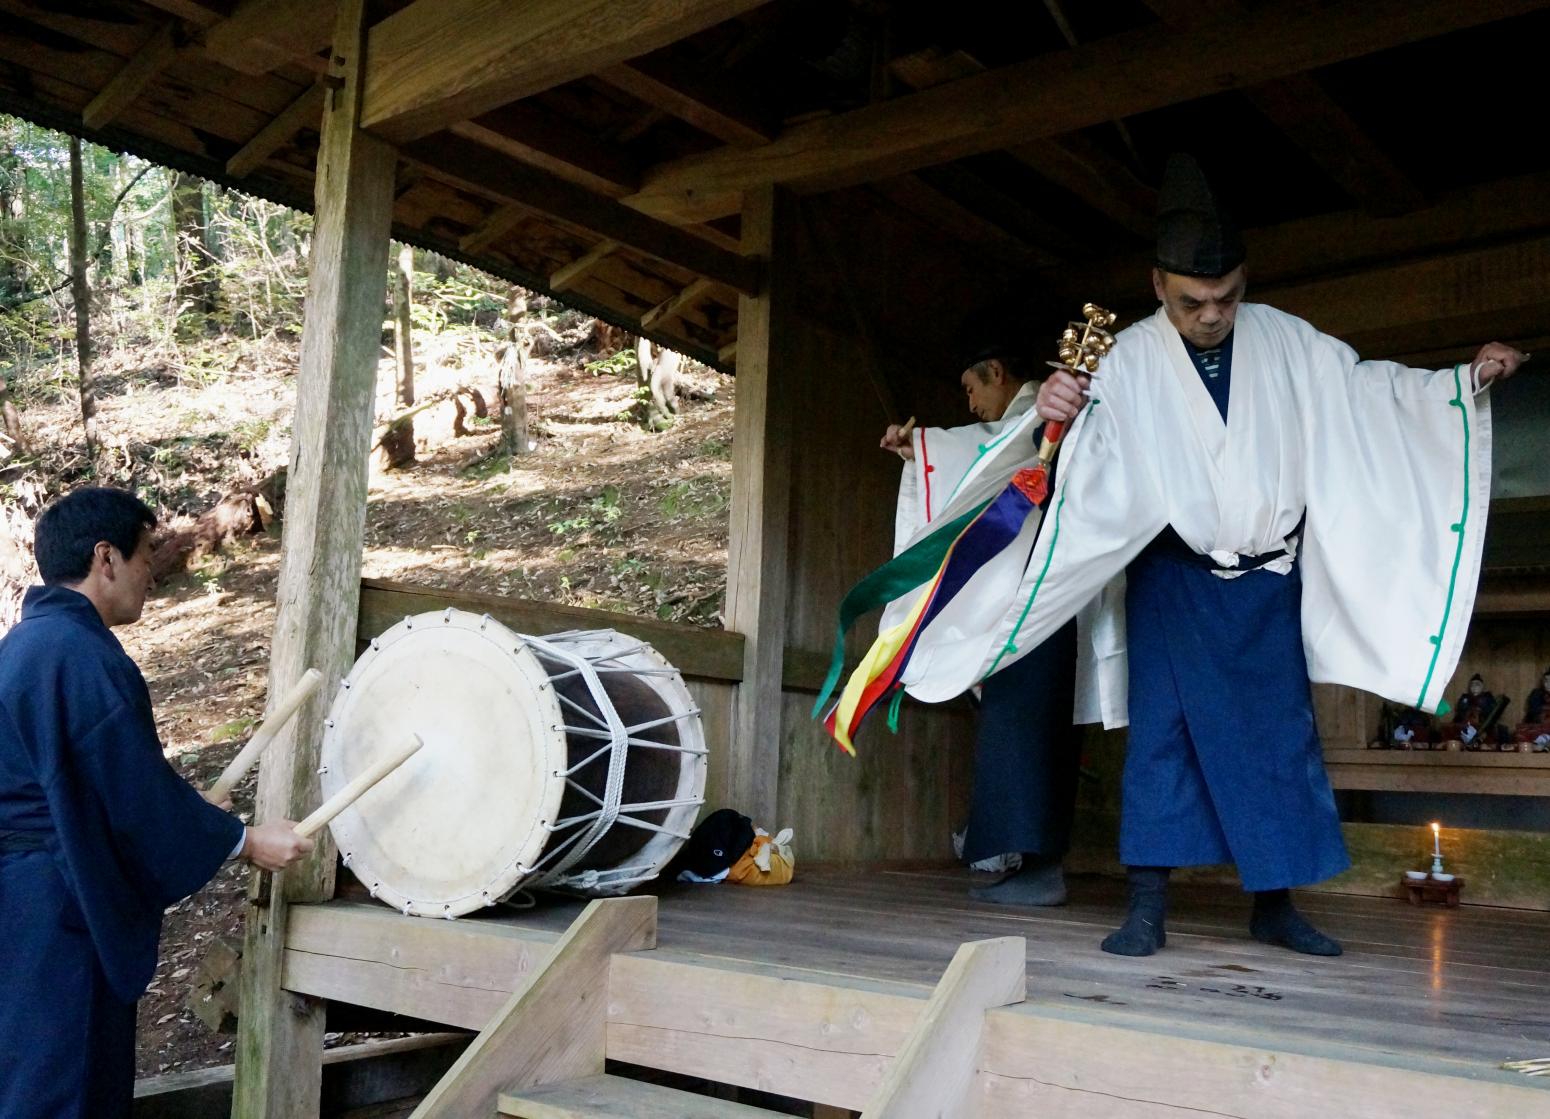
{"type": "Point", "coordinates": [356, 788]}
{"type": "Point", "coordinates": [289, 704]}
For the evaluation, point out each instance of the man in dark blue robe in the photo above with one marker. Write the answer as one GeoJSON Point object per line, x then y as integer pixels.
{"type": "Point", "coordinates": [1027, 753]}
{"type": "Point", "coordinates": [98, 834]}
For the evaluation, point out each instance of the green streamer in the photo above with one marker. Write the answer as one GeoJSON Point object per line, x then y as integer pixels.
{"type": "Point", "coordinates": [900, 575]}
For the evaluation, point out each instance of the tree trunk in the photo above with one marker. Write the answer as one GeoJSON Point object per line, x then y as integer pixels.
{"type": "Point", "coordinates": [13, 279]}
{"type": "Point", "coordinates": [513, 380]}
{"type": "Point", "coordinates": [10, 418]}
{"type": "Point", "coordinates": [398, 442]}
{"type": "Point", "coordinates": [81, 293]}
{"type": "Point", "coordinates": [197, 286]}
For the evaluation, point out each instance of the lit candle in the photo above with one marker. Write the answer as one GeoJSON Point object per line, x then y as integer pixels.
{"type": "Point", "coordinates": [1436, 840]}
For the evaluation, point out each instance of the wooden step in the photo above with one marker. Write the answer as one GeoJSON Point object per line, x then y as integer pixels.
{"type": "Point", "coordinates": [615, 1097]}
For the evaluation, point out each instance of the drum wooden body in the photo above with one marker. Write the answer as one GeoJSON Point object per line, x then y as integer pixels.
{"type": "Point", "coordinates": [574, 761]}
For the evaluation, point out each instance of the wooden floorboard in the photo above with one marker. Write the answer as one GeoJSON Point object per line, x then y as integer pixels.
{"type": "Point", "coordinates": [1468, 984]}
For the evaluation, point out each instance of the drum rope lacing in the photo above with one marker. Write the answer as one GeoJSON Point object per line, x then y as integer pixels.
{"type": "Point", "coordinates": [552, 868]}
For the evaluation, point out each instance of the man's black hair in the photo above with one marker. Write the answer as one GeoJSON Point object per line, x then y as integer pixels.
{"type": "Point", "coordinates": [69, 529]}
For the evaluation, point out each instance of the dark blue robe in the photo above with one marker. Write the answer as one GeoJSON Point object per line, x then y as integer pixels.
{"type": "Point", "coordinates": [1223, 762]}
{"type": "Point", "coordinates": [98, 835]}
{"type": "Point", "coordinates": [1027, 756]}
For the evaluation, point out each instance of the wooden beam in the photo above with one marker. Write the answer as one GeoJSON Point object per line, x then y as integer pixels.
{"type": "Point", "coordinates": [1058, 93]}
{"type": "Point", "coordinates": [361, 1079]}
{"type": "Point", "coordinates": [571, 273]}
{"type": "Point", "coordinates": [527, 133]}
{"type": "Point", "coordinates": [137, 73]}
{"type": "Point", "coordinates": [934, 1072]}
{"type": "Point", "coordinates": [440, 61]}
{"type": "Point", "coordinates": [281, 1034]}
{"type": "Point", "coordinates": [554, 1026]}
{"type": "Point", "coordinates": [1314, 121]}
{"type": "Point", "coordinates": [476, 169]}
{"type": "Point", "coordinates": [706, 653]}
{"type": "Point", "coordinates": [497, 225]}
{"type": "Point", "coordinates": [816, 1036]}
{"type": "Point", "coordinates": [727, 355]}
{"type": "Point", "coordinates": [365, 954]}
{"type": "Point", "coordinates": [757, 568]}
{"type": "Point", "coordinates": [197, 12]}
{"type": "Point", "coordinates": [1341, 242]}
{"type": "Point", "coordinates": [1078, 1065]}
{"type": "Point", "coordinates": [261, 35]}
{"type": "Point", "coordinates": [673, 305]}
{"type": "Point", "coordinates": [717, 108]}
{"type": "Point", "coordinates": [304, 112]}
{"type": "Point", "coordinates": [1482, 283]}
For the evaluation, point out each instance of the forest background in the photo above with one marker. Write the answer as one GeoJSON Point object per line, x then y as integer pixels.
{"type": "Point", "coordinates": [149, 336]}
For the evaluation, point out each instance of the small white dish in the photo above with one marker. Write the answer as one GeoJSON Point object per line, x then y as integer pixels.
{"type": "Point", "coordinates": [1442, 878]}
{"type": "Point", "coordinates": [1415, 875]}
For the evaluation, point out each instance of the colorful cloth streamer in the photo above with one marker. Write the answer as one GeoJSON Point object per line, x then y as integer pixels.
{"type": "Point", "coordinates": [957, 549]}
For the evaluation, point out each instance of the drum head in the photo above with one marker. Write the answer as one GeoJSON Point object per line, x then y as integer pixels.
{"type": "Point", "coordinates": [458, 826]}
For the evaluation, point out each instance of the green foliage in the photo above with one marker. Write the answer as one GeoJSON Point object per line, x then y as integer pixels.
{"type": "Point", "coordinates": [463, 297]}
{"type": "Point", "coordinates": [600, 516]}
{"type": "Point", "coordinates": [622, 363]}
{"type": "Point", "coordinates": [229, 732]}
{"type": "Point", "coordinates": [694, 498]}
{"type": "Point", "coordinates": [486, 468]}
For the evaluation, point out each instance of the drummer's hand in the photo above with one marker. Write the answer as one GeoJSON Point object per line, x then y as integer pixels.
{"type": "Point", "coordinates": [895, 440]}
{"type": "Point", "coordinates": [224, 804]}
{"type": "Point", "coordinates": [275, 845]}
{"type": "Point", "coordinates": [1496, 362]}
{"type": "Point", "coordinates": [1062, 395]}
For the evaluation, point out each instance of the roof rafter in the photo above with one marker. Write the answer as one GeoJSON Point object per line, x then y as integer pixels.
{"type": "Point", "coordinates": [440, 61]}
{"type": "Point", "coordinates": [1054, 94]}
{"type": "Point", "coordinates": [480, 171]}
{"type": "Point", "coordinates": [304, 111]}
{"type": "Point", "coordinates": [138, 72]}
{"type": "Point", "coordinates": [715, 107]}
{"type": "Point", "coordinates": [261, 35]}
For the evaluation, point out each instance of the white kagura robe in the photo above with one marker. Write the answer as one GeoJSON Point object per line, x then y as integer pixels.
{"type": "Point", "coordinates": [1027, 751]}
{"type": "Point", "coordinates": [1390, 465]}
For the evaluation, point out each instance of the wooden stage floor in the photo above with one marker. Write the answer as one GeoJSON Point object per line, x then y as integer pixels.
{"type": "Point", "coordinates": [1467, 987]}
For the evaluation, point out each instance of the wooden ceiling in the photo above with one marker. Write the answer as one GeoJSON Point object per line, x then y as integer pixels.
{"type": "Point", "coordinates": [1380, 151]}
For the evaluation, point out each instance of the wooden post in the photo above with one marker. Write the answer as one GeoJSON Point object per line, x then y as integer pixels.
{"type": "Point", "coordinates": [281, 1035]}
{"type": "Point", "coordinates": [757, 571]}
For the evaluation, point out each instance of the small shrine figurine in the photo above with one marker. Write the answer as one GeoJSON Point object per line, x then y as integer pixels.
{"type": "Point", "coordinates": [1477, 718]}
{"type": "Point", "coordinates": [1535, 727]}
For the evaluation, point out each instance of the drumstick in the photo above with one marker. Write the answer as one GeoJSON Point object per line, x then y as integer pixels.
{"type": "Point", "coordinates": [909, 426]}
{"type": "Point", "coordinates": [272, 726]}
{"type": "Point", "coordinates": [354, 790]}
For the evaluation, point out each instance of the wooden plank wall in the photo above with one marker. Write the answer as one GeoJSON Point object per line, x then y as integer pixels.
{"type": "Point", "coordinates": [899, 799]}
{"type": "Point", "coordinates": [1510, 653]}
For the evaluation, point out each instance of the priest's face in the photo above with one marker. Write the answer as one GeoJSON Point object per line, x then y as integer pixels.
{"type": "Point", "coordinates": [1200, 308]}
{"type": "Point", "coordinates": [989, 388]}
{"type": "Point", "coordinates": [125, 581]}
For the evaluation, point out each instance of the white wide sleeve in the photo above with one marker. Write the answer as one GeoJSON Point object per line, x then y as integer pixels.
{"type": "Point", "coordinates": [1399, 482]}
{"type": "Point", "coordinates": [1105, 508]}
